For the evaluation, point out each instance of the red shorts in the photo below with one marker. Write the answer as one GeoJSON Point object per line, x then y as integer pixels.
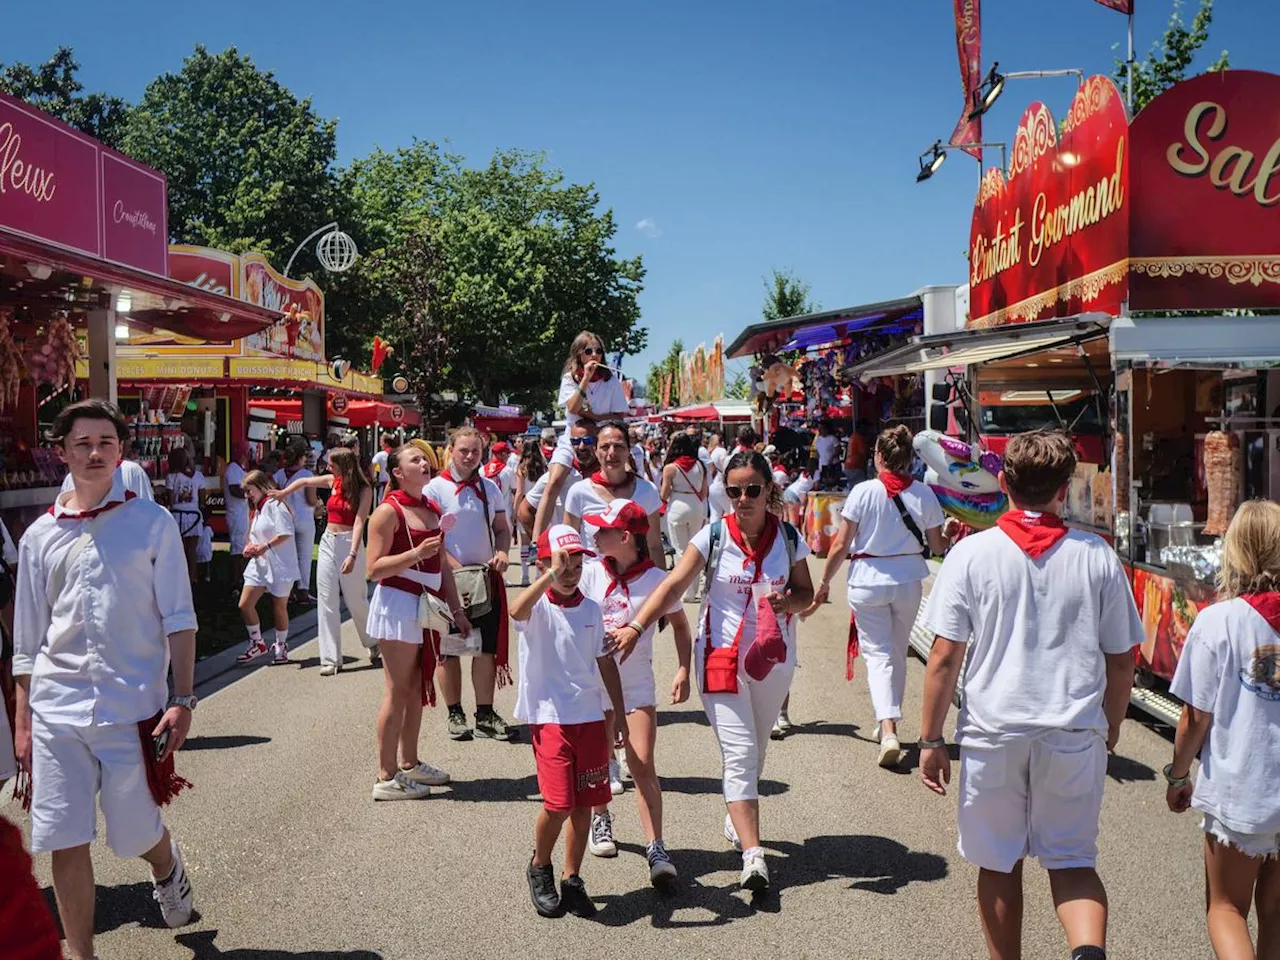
{"type": "Point", "coordinates": [573, 764]}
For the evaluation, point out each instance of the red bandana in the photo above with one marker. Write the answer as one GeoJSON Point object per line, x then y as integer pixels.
{"type": "Point", "coordinates": [405, 500]}
{"type": "Point", "coordinates": [560, 600]}
{"type": "Point", "coordinates": [458, 485]}
{"type": "Point", "coordinates": [103, 508]}
{"type": "Point", "coordinates": [764, 543]}
{"type": "Point", "coordinates": [1034, 536]}
{"type": "Point", "coordinates": [599, 373]}
{"type": "Point", "coordinates": [547, 452]}
{"type": "Point", "coordinates": [1267, 605]}
{"type": "Point", "coordinates": [599, 479]}
{"type": "Point", "coordinates": [685, 463]}
{"type": "Point", "coordinates": [493, 468]}
{"type": "Point", "coordinates": [622, 580]}
{"type": "Point", "coordinates": [895, 483]}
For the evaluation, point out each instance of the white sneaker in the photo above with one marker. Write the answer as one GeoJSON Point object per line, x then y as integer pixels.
{"type": "Point", "coordinates": [174, 895]}
{"type": "Point", "coordinates": [615, 778]}
{"type": "Point", "coordinates": [328, 669]}
{"type": "Point", "coordinates": [755, 874]}
{"type": "Point", "coordinates": [600, 843]}
{"type": "Point", "coordinates": [426, 773]}
{"type": "Point", "coordinates": [890, 750]}
{"type": "Point", "coordinates": [777, 732]}
{"type": "Point", "coordinates": [784, 724]}
{"type": "Point", "coordinates": [626, 771]}
{"type": "Point", "coordinates": [256, 649]}
{"type": "Point", "coordinates": [731, 834]}
{"type": "Point", "coordinates": [279, 653]}
{"type": "Point", "coordinates": [400, 787]}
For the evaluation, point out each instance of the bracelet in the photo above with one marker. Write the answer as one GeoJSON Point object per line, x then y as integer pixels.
{"type": "Point", "coordinates": [932, 744]}
{"type": "Point", "coordinates": [637, 627]}
{"type": "Point", "coordinates": [1175, 781]}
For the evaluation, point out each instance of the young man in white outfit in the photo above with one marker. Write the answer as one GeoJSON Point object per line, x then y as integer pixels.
{"type": "Point", "coordinates": [1047, 620]}
{"type": "Point", "coordinates": [237, 508]}
{"type": "Point", "coordinates": [103, 602]}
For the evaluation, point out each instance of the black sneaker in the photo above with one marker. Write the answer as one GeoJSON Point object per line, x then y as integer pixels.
{"type": "Point", "coordinates": [542, 890]}
{"type": "Point", "coordinates": [458, 729]}
{"type": "Point", "coordinates": [489, 724]}
{"type": "Point", "coordinates": [574, 899]}
{"type": "Point", "coordinates": [661, 869]}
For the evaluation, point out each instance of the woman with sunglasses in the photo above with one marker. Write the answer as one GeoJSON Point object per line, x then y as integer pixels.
{"type": "Point", "coordinates": [588, 391]}
{"type": "Point", "coordinates": [746, 553]}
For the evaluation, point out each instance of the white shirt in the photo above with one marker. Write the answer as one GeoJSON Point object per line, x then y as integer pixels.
{"type": "Point", "coordinates": [379, 463]}
{"type": "Point", "coordinates": [827, 448]}
{"type": "Point", "coordinates": [1228, 668]}
{"type": "Point", "coordinates": [237, 508]}
{"type": "Point", "coordinates": [135, 480]}
{"type": "Point", "coordinates": [280, 563]}
{"type": "Point", "coordinates": [534, 495]}
{"type": "Point", "coordinates": [703, 456]}
{"type": "Point", "coordinates": [1039, 631]}
{"type": "Point", "coordinates": [559, 679]}
{"type": "Point", "coordinates": [603, 397]}
{"type": "Point", "coordinates": [302, 511]}
{"type": "Point", "coordinates": [513, 462]}
{"type": "Point", "coordinates": [504, 479]}
{"type": "Point", "coordinates": [97, 650]}
{"type": "Point", "coordinates": [470, 539]}
{"type": "Point", "coordinates": [730, 592]}
{"type": "Point", "coordinates": [717, 458]}
{"type": "Point", "coordinates": [895, 555]}
{"type": "Point", "coordinates": [781, 478]}
{"type": "Point", "coordinates": [7, 548]}
{"type": "Point", "coordinates": [583, 500]}
{"type": "Point", "coordinates": [620, 607]}
{"type": "Point", "coordinates": [803, 484]}
{"type": "Point", "coordinates": [641, 461]}
{"type": "Point", "coordinates": [184, 491]}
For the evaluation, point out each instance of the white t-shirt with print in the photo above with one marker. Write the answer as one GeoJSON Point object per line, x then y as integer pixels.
{"type": "Point", "coordinates": [559, 681]}
{"type": "Point", "coordinates": [280, 563]}
{"type": "Point", "coordinates": [896, 556]}
{"type": "Point", "coordinates": [184, 491]}
{"type": "Point", "coordinates": [1037, 632]}
{"type": "Point", "coordinates": [730, 590]}
{"type": "Point", "coordinates": [469, 540]}
{"type": "Point", "coordinates": [237, 508]}
{"type": "Point", "coordinates": [620, 607]}
{"type": "Point", "coordinates": [534, 496]}
{"type": "Point", "coordinates": [1230, 667]}
{"type": "Point", "coordinates": [583, 500]}
{"type": "Point", "coordinates": [302, 511]}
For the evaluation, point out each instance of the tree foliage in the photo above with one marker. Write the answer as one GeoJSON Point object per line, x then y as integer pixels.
{"type": "Point", "coordinates": [786, 296]}
{"type": "Point", "coordinates": [53, 87]}
{"type": "Point", "coordinates": [738, 388]}
{"type": "Point", "coordinates": [1169, 59]}
{"type": "Point", "coordinates": [670, 364]}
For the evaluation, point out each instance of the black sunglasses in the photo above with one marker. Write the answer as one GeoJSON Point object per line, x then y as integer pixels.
{"type": "Point", "coordinates": [593, 351]}
{"type": "Point", "coordinates": [583, 441]}
{"type": "Point", "coordinates": [752, 490]}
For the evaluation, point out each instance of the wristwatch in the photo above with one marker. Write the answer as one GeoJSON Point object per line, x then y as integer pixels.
{"type": "Point", "coordinates": [932, 744]}
{"type": "Point", "coordinates": [1175, 781]}
{"type": "Point", "coordinates": [189, 702]}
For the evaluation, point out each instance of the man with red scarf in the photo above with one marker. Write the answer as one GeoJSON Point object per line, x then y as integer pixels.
{"type": "Point", "coordinates": [477, 533]}
{"type": "Point", "coordinates": [1041, 620]}
{"type": "Point", "coordinates": [103, 603]}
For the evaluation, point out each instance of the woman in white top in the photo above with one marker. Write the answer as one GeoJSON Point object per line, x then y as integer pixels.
{"type": "Point", "coordinates": [684, 491]}
{"type": "Point", "coordinates": [272, 567]}
{"type": "Point", "coordinates": [750, 552]}
{"type": "Point", "coordinates": [889, 522]}
{"type": "Point", "coordinates": [303, 505]}
{"type": "Point", "coordinates": [588, 391]}
{"type": "Point", "coordinates": [1228, 678]}
{"type": "Point", "coordinates": [185, 486]}
{"type": "Point", "coordinates": [613, 480]}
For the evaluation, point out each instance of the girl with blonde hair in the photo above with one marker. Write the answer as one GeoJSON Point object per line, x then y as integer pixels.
{"type": "Point", "coordinates": [272, 566]}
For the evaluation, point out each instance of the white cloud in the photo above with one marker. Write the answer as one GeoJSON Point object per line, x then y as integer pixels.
{"type": "Point", "coordinates": [649, 227]}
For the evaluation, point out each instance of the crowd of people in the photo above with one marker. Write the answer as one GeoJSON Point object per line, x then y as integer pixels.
{"type": "Point", "coordinates": [1035, 624]}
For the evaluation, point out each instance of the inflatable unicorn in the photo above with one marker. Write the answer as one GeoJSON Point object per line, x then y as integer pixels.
{"type": "Point", "coordinates": [964, 478]}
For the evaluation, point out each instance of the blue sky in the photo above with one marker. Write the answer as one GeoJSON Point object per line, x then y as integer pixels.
{"type": "Point", "coordinates": [728, 137]}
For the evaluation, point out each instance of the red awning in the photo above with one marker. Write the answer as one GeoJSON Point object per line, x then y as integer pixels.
{"type": "Point", "coordinates": [693, 414]}
{"type": "Point", "coordinates": [501, 425]}
{"type": "Point", "coordinates": [360, 413]}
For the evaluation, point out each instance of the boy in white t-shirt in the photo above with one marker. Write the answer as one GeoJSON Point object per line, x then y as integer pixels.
{"type": "Point", "coordinates": [565, 661]}
{"type": "Point", "coordinates": [1047, 620]}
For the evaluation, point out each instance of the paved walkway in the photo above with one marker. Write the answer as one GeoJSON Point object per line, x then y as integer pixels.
{"type": "Point", "coordinates": [291, 858]}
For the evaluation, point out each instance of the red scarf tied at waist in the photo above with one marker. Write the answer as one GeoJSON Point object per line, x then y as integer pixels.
{"type": "Point", "coordinates": [1035, 534]}
{"type": "Point", "coordinates": [895, 483]}
{"type": "Point", "coordinates": [1267, 605]}
{"type": "Point", "coordinates": [622, 581]}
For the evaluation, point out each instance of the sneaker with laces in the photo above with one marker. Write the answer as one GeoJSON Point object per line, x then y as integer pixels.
{"type": "Point", "coordinates": [574, 898]}
{"type": "Point", "coordinates": [755, 874]}
{"type": "Point", "coordinates": [601, 843]}
{"type": "Point", "coordinates": [328, 669]}
{"type": "Point", "coordinates": [423, 772]}
{"type": "Point", "coordinates": [400, 787]}
{"type": "Point", "coordinates": [731, 834]}
{"type": "Point", "coordinates": [615, 778]}
{"type": "Point", "coordinates": [279, 653]}
{"type": "Point", "coordinates": [457, 726]}
{"type": "Point", "coordinates": [256, 649]}
{"type": "Point", "coordinates": [174, 895]}
{"type": "Point", "coordinates": [661, 869]}
{"type": "Point", "coordinates": [542, 890]}
{"type": "Point", "coordinates": [489, 724]}
{"type": "Point", "coordinates": [890, 750]}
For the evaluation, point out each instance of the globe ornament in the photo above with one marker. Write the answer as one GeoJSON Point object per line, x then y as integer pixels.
{"type": "Point", "coordinates": [336, 251]}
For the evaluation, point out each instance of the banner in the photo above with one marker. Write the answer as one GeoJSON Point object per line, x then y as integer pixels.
{"type": "Point", "coordinates": [1124, 6]}
{"type": "Point", "coordinates": [969, 48]}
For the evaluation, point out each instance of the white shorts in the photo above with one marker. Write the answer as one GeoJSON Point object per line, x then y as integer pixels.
{"type": "Point", "coordinates": [1039, 798]}
{"type": "Point", "coordinates": [1250, 844]}
{"type": "Point", "coordinates": [72, 764]}
{"type": "Point", "coordinates": [8, 763]}
{"type": "Point", "coordinates": [393, 615]}
{"type": "Point", "coordinates": [638, 688]}
{"type": "Point", "coordinates": [253, 577]}
{"type": "Point", "coordinates": [563, 455]}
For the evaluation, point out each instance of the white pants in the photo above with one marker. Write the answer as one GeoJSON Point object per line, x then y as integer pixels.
{"type": "Point", "coordinates": [742, 721]}
{"type": "Point", "coordinates": [334, 587]}
{"type": "Point", "coordinates": [304, 538]}
{"type": "Point", "coordinates": [683, 521]}
{"type": "Point", "coordinates": [885, 616]}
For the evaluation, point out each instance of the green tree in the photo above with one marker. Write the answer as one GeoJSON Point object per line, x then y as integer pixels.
{"type": "Point", "coordinates": [54, 88]}
{"type": "Point", "coordinates": [250, 166]}
{"type": "Point", "coordinates": [1170, 58]}
{"type": "Point", "coordinates": [670, 364]}
{"type": "Point", "coordinates": [739, 388]}
{"type": "Point", "coordinates": [786, 296]}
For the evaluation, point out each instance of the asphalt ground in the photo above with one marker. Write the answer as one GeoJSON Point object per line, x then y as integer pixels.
{"type": "Point", "coordinates": [289, 856]}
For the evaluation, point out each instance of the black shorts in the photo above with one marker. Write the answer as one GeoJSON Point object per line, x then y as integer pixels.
{"type": "Point", "coordinates": [488, 627]}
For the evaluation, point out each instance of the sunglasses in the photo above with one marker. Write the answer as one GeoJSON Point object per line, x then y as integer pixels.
{"type": "Point", "coordinates": [593, 351]}
{"type": "Point", "coordinates": [583, 441]}
{"type": "Point", "coordinates": [752, 490]}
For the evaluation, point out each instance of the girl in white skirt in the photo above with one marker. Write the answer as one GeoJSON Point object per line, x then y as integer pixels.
{"type": "Point", "coordinates": [340, 566]}
{"type": "Point", "coordinates": [272, 567]}
{"type": "Point", "coordinates": [405, 543]}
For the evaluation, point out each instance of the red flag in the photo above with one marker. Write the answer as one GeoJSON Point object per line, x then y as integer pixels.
{"type": "Point", "coordinates": [969, 48]}
{"type": "Point", "coordinates": [1124, 6]}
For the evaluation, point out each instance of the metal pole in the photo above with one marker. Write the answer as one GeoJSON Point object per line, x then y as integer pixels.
{"type": "Point", "coordinates": [314, 234]}
{"type": "Point", "coordinates": [1129, 92]}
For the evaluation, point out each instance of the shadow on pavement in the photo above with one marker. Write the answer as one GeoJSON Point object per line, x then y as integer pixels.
{"type": "Point", "coordinates": [1126, 770]}
{"type": "Point", "coordinates": [495, 789]}
{"type": "Point", "coordinates": [202, 947]}
{"type": "Point", "coordinates": [223, 742]}
{"type": "Point", "coordinates": [715, 786]}
{"type": "Point", "coordinates": [697, 717]}
{"type": "Point", "coordinates": [116, 907]}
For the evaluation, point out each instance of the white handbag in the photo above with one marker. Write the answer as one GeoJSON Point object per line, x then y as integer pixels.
{"type": "Point", "coordinates": [434, 614]}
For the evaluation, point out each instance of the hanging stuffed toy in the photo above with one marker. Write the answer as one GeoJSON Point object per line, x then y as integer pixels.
{"type": "Point", "coordinates": [381, 350]}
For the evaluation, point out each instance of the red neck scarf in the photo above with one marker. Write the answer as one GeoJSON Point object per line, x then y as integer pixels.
{"type": "Point", "coordinates": [764, 543]}
{"type": "Point", "coordinates": [96, 511]}
{"type": "Point", "coordinates": [685, 463]}
{"type": "Point", "coordinates": [623, 580]}
{"type": "Point", "coordinates": [600, 480]}
{"type": "Point", "coordinates": [547, 452]}
{"type": "Point", "coordinates": [598, 374]}
{"type": "Point", "coordinates": [560, 600]}
{"type": "Point", "coordinates": [405, 500]}
{"type": "Point", "coordinates": [494, 467]}
{"type": "Point", "coordinates": [1267, 605]}
{"type": "Point", "coordinates": [458, 485]}
{"type": "Point", "coordinates": [1035, 536]}
{"type": "Point", "coordinates": [895, 483]}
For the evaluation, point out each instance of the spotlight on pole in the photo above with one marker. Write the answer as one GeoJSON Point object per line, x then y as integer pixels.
{"type": "Point", "coordinates": [936, 156]}
{"type": "Point", "coordinates": [988, 92]}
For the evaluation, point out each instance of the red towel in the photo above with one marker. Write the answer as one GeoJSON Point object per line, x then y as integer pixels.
{"type": "Point", "coordinates": [853, 650]}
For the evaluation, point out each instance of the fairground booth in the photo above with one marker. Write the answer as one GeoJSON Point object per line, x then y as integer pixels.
{"type": "Point", "coordinates": [1125, 286]}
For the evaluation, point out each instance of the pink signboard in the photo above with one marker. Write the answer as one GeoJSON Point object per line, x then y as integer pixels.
{"type": "Point", "coordinates": [60, 186]}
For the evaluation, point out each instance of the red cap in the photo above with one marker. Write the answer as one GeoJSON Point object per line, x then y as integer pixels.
{"type": "Point", "coordinates": [500, 449]}
{"type": "Point", "coordinates": [621, 514]}
{"type": "Point", "coordinates": [560, 537]}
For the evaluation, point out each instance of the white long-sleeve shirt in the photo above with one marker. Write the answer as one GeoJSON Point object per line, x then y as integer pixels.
{"type": "Point", "coordinates": [97, 649]}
